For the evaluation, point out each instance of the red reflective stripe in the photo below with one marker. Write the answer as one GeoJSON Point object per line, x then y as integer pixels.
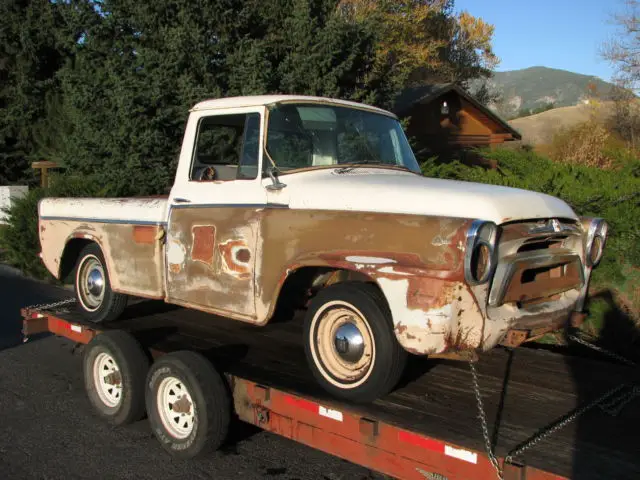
{"type": "Point", "coordinates": [421, 441]}
{"type": "Point", "coordinates": [300, 403]}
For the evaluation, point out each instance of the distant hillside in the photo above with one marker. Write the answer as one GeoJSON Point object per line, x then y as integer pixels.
{"type": "Point", "coordinates": [535, 87]}
{"type": "Point", "coordinates": [539, 129]}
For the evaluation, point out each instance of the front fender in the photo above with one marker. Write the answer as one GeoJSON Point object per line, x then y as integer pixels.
{"type": "Point", "coordinates": [432, 310]}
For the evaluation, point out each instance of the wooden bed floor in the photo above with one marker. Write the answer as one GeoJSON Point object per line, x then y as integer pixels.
{"type": "Point", "coordinates": [524, 390]}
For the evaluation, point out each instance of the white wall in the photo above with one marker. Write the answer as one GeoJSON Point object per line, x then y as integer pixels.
{"type": "Point", "coordinates": [7, 195]}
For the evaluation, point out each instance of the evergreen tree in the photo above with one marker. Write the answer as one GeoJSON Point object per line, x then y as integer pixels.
{"type": "Point", "coordinates": [143, 65]}
{"type": "Point", "coordinates": [30, 56]}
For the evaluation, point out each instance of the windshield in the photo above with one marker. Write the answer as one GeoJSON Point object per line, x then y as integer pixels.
{"type": "Point", "coordinates": [313, 135]}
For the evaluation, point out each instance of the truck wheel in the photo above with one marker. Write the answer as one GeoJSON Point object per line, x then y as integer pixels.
{"type": "Point", "coordinates": [115, 367]}
{"type": "Point", "coordinates": [93, 289]}
{"type": "Point", "coordinates": [350, 344]}
{"type": "Point", "coordinates": [188, 404]}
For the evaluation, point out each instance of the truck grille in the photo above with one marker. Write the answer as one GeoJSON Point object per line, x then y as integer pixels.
{"type": "Point", "coordinates": [537, 261]}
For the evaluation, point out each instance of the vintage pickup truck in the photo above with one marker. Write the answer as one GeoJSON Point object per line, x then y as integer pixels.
{"type": "Point", "coordinates": [282, 199]}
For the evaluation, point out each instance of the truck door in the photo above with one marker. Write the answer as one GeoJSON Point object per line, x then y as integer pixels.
{"type": "Point", "coordinates": [214, 216]}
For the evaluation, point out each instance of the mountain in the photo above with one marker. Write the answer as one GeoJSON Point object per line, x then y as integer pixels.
{"type": "Point", "coordinates": [535, 88]}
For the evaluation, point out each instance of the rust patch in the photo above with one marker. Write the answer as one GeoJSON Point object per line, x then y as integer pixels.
{"type": "Point", "coordinates": [144, 234]}
{"type": "Point", "coordinates": [528, 285]}
{"type": "Point", "coordinates": [461, 341]}
{"type": "Point", "coordinates": [175, 268]}
{"type": "Point", "coordinates": [429, 293]}
{"type": "Point", "coordinates": [400, 328]}
{"type": "Point", "coordinates": [183, 405]}
{"type": "Point", "coordinates": [231, 254]}
{"type": "Point", "coordinates": [204, 237]}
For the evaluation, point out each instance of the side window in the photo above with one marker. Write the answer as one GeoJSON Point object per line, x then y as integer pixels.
{"type": "Point", "coordinates": [226, 148]}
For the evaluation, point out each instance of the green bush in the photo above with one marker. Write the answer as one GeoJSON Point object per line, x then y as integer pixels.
{"type": "Point", "coordinates": [19, 242]}
{"type": "Point", "coordinates": [611, 194]}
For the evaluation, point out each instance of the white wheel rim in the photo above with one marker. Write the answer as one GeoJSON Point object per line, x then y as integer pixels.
{"type": "Point", "coordinates": [176, 408]}
{"type": "Point", "coordinates": [331, 363]}
{"type": "Point", "coordinates": [90, 283]}
{"type": "Point", "coordinates": [107, 380]}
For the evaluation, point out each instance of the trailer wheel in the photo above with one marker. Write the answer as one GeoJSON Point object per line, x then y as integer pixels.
{"type": "Point", "coordinates": [97, 301]}
{"type": "Point", "coordinates": [115, 367]}
{"type": "Point", "coordinates": [188, 404]}
{"type": "Point", "coordinates": [350, 344]}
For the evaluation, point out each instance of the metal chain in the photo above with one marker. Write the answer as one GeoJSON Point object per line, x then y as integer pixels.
{"type": "Point", "coordinates": [601, 350]}
{"type": "Point", "coordinates": [52, 305]}
{"type": "Point", "coordinates": [610, 402]}
{"type": "Point", "coordinates": [563, 422]}
{"type": "Point", "coordinates": [483, 422]}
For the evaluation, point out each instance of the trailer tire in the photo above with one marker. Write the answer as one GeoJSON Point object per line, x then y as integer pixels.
{"type": "Point", "coordinates": [95, 298]}
{"type": "Point", "coordinates": [201, 423]}
{"type": "Point", "coordinates": [350, 344]}
{"type": "Point", "coordinates": [116, 356]}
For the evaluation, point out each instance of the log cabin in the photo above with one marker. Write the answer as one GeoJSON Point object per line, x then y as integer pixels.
{"type": "Point", "coordinates": [444, 120]}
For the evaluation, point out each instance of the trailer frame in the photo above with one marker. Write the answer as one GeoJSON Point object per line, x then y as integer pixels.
{"type": "Point", "coordinates": [342, 432]}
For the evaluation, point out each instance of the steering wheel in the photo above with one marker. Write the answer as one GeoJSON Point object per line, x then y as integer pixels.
{"type": "Point", "coordinates": [208, 173]}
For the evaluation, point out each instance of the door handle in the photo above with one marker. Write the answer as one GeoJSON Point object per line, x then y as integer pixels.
{"type": "Point", "coordinates": [181, 200]}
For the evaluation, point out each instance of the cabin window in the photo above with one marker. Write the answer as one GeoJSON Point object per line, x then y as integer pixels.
{"type": "Point", "coordinates": [226, 148]}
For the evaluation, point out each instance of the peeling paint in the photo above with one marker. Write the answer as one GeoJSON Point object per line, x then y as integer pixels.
{"type": "Point", "coordinates": [176, 255]}
{"type": "Point", "coordinates": [232, 252]}
{"type": "Point", "coordinates": [135, 268]}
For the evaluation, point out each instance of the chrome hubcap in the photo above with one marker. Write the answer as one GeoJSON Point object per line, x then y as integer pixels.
{"type": "Point", "coordinates": [349, 342]}
{"type": "Point", "coordinates": [95, 282]}
{"type": "Point", "coordinates": [91, 283]}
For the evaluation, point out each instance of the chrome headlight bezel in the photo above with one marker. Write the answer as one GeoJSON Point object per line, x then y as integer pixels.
{"type": "Point", "coordinates": [595, 241]}
{"type": "Point", "coordinates": [482, 235]}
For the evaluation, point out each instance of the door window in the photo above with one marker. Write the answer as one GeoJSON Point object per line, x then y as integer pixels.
{"type": "Point", "coordinates": [226, 148]}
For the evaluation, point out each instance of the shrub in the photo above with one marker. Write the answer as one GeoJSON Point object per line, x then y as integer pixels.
{"type": "Point", "coordinates": [582, 144]}
{"type": "Point", "coordinates": [19, 241]}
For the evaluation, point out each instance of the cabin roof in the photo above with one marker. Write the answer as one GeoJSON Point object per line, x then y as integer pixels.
{"type": "Point", "coordinates": [429, 92]}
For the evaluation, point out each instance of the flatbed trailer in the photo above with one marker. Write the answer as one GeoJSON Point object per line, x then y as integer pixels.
{"type": "Point", "coordinates": [430, 426]}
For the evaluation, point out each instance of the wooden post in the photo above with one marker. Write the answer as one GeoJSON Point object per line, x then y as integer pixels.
{"type": "Point", "coordinates": [44, 167]}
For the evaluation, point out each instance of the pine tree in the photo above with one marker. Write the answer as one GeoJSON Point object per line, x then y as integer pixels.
{"type": "Point", "coordinates": [30, 56]}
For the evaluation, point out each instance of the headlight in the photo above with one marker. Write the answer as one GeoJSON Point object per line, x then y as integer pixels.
{"type": "Point", "coordinates": [479, 260]}
{"type": "Point", "coordinates": [596, 240]}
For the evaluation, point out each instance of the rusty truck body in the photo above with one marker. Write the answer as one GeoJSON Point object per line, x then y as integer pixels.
{"type": "Point", "coordinates": [281, 199]}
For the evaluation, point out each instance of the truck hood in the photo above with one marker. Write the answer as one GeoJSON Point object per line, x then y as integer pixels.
{"type": "Point", "coordinates": [393, 191]}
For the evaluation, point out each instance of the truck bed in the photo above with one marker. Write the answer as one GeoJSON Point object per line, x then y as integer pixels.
{"type": "Point", "coordinates": [524, 390]}
{"type": "Point", "coordinates": [139, 210]}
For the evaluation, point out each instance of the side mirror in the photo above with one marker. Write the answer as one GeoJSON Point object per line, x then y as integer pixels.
{"type": "Point", "coordinates": [277, 184]}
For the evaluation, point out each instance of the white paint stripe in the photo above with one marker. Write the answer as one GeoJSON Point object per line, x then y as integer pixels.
{"type": "Point", "coordinates": [369, 260]}
{"type": "Point", "coordinates": [76, 328]}
{"type": "Point", "coordinates": [461, 454]}
{"type": "Point", "coordinates": [327, 412]}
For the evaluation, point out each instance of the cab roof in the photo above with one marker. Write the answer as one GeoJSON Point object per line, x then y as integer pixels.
{"type": "Point", "coordinates": [261, 100]}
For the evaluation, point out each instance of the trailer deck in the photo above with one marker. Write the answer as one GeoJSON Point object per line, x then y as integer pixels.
{"type": "Point", "coordinates": [428, 427]}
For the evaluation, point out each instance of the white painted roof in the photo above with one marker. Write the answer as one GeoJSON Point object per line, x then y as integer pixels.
{"type": "Point", "coordinates": [259, 100]}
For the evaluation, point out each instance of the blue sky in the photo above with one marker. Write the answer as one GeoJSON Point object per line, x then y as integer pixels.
{"type": "Point", "coordinates": [563, 34]}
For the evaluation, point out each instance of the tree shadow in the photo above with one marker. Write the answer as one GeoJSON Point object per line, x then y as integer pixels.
{"type": "Point", "coordinates": [621, 335]}
{"type": "Point", "coordinates": [503, 395]}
